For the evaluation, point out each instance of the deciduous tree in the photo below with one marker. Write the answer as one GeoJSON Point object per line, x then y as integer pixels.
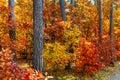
{"type": "Point", "coordinates": [62, 10]}
{"type": "Point", "coordinates": [12, 30]}
{"type": "Point", "coordinates": [38, 35]}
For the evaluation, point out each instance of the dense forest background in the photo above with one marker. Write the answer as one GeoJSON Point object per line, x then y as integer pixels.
{"type": "Point", "coordinates": [82, 36]}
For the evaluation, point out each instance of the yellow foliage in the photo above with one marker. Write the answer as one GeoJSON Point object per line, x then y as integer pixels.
{"type": "Point", "coordinates": [116, 30]}
{"type": "Point", "coordinates": [72, 36]}
{"type": "Point", "coordinates": [55, 55]}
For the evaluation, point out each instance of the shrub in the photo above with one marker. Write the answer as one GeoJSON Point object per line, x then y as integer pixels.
{"type": "Point", "coordinates": [87, 57]}
{"type": "Point", "coordinates": [55, 55]}
{"type": "Point", "coordinates": [10, 70]}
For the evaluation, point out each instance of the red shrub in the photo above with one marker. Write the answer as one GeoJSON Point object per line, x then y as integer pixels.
{"type": "Point", "coordinates": [87, 57]}
{"type": "Point", "coordinates": [10, 70]}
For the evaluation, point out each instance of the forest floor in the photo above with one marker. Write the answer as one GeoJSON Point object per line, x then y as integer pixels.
{"type": "Point", "coordinates": [106, 73]}
{"type": "Point", "coordinates": [116, 74]}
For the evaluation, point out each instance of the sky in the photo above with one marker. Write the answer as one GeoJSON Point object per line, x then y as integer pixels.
{"type": "Point", "coordinates": [92, 1]}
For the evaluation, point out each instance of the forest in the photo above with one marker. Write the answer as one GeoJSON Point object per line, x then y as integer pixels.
{"type": "Point", "coordinates": [59, 39]}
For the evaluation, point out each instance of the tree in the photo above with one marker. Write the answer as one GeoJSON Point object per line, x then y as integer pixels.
{"type": "Point", "coordinates": [100, 19]}
{"type": "Point", "coordinates": [62, 10]}
{"type": "Point", "coordinates": [12, 31]}
{"type": "Point", "coordinates": [37, 35]}
{"type": "Point", "coordinates": [72, 2]}
{"type": "Point", "coordinates": [42, 3]}
{"type": "Point", "coordinates": [111, 33]}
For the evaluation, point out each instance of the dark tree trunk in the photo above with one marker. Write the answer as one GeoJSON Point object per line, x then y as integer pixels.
{"type": "Point", "coordinates": [38, 36]}
{"type": "Point", "coordinates": [42, 3]}
{"type": "Point", "coordinates": [62, 10]}
{"type": "Point", "coordinates": [12, 31]}
{"type": "Point", "coordinates": [111, 34]}
{"type": "Point", "coordinates": [72, 2]}
{"type": "Point", "coordinates": [100, 20]}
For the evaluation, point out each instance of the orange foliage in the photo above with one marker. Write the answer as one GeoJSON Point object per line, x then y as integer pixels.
{"type": "Point", "coordinates": [82, 22]}
{"type": "Point", "coordinates": [87, 57]}
{"type": "Point", "coordinates": [10, 70]}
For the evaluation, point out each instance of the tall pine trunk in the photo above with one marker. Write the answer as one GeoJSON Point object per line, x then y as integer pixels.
{"type": "Point", "coordinates": [100, 20]}
{"type": "Point", "coordinates": [38, 36]}
{"type": "Point", "coordinates": [62, 7]}
{"type": "Point", "coordinates": [72, 2]}
{"type": "Point", "coordinates": [42, 3]}
{"type": "Point", "coordinates": [12, 31]}
{"type": "Point", "coordinates": [111, 34]}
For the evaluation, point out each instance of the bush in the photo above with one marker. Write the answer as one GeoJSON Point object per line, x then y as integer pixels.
{"type": "Point", "coordinates": [55, 56]}
{"type": "Point", "coordinates": [87, 57]}
{"type": "Point", "coordinates": [10, 70]}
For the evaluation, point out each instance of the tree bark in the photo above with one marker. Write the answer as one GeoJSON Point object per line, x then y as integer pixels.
{"type": "Point", "coordinates": [62, 10]}
{"type": "Point", "coordinates": [42, 3]}
{"type": "Point", "coordinates": [111, 34]}
{"type": "Point", "coordinates": [38, 36]}
{"type": "Point", "coordinates": [12, 31]}
{"type": "Point", "coordinates": [72, 2]}
{"type": "Point", "coordinates": [100, 20]}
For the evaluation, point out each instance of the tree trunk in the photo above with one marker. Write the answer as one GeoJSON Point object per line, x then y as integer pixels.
{"type": "Point", "coordinates": [72, 2]}
{"type": "Point", "coordinates": [42, 3]}
{"type": "Point", "coordinates": [38, 36]}
{"type": "Point", "coordinates": [100, 20]}
{"type": "Point", "coordinates": [12, 31]}
{"type": "Point", "coordinates": [111, 34]}
{"type": "Point", "coordinates": [62, 10]}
